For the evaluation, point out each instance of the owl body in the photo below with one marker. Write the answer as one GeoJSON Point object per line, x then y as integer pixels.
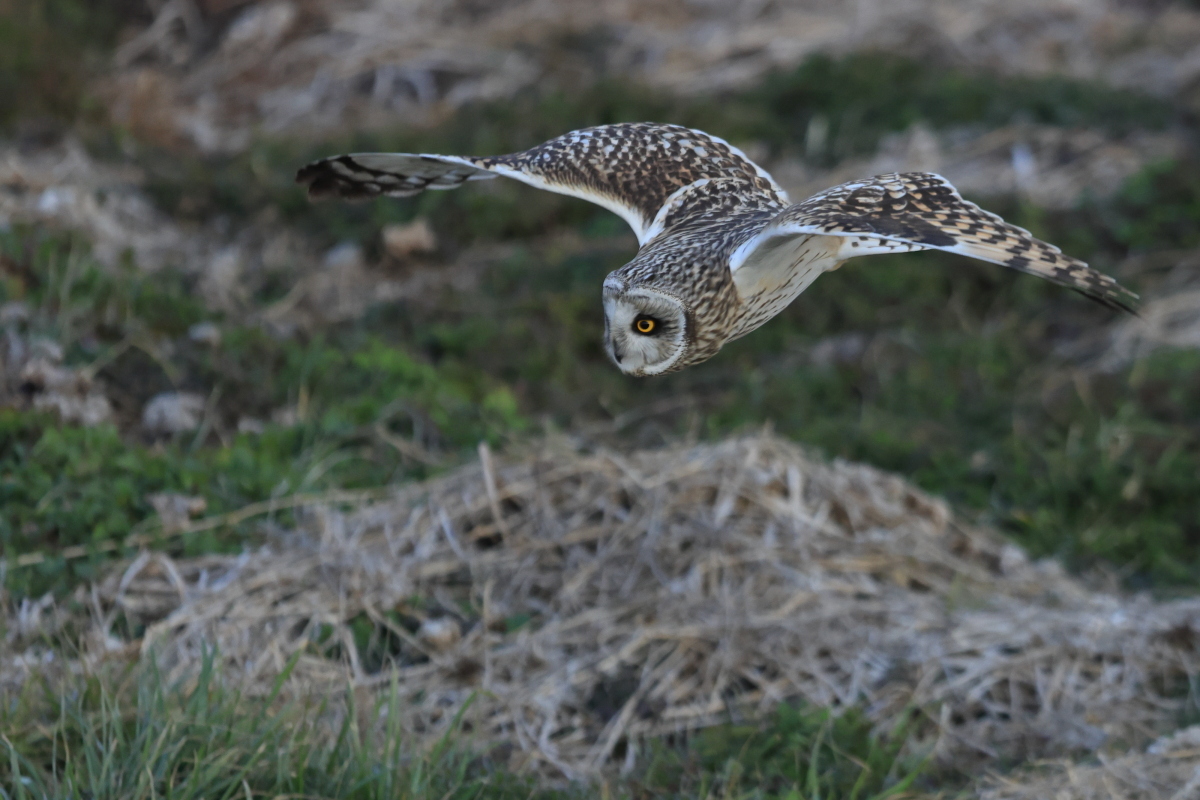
{"type": "Point", "coordinates": [802, 260]}
{"type": "Point", "coordinates": [722, 249]}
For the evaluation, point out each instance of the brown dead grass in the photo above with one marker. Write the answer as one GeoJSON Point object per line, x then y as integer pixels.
{"type": "Point", "coordinates": [664, 590]}
{"type": "Point", "coordinates": [321, 65]}
{"type": "Point", "coordinates": [1168, 770]}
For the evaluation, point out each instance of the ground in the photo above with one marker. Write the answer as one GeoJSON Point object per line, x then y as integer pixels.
{"type": "Point", "coordinates": [186, 336]}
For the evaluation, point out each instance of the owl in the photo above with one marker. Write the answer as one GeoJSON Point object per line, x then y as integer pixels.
{"type": "Point", "coordinates": [721, 247]}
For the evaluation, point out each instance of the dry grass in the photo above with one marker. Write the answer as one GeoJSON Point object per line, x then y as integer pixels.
{"type": "Point", "coordinates": [1168, 770]}
{"type": "Point", "coordinates": [320, 65]}
{"type": "Point", "coordinates": [595, 599]}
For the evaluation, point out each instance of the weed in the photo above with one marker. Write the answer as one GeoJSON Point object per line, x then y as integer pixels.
{"type": "Point", "coordinates": [133, 736]}
{"type": "Point", "coordinates": [796, 753]}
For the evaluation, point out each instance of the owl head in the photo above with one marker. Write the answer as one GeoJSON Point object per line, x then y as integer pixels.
{"type": "Point", "coordinates": [647, 331]}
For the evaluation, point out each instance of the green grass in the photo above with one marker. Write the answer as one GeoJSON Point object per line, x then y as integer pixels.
{"type": "Point", "coordinates": [62, 485]}
{"type": "Point", "coordinates": [1158, 208]}
{"type": "Point", "coordinates": [132, 736]}
{"type": "Point", "coordinates": [859, 98]}
{"type": "Point", "coordinates": [796, 753]}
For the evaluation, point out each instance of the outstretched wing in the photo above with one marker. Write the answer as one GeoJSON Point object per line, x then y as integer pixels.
{"type": "Point", "coordinates": [918, 211]}
{"type": "Point", "coordinates": [632, 169]}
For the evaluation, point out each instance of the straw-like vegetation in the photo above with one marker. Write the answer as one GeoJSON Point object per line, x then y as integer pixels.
{"type": "Point", "coordinates": [569, 609]}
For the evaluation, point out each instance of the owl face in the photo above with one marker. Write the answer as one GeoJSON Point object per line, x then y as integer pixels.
{"type": "Point", "coordinates": [646, 331]}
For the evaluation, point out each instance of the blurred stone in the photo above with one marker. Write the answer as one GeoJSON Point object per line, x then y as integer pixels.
{"type": "Point", "coordinates": [286, 417]}
{"type": "Point", "coordinates": [440, 634]}
{"type": "Point", "coordinates": [846, 348]}
{"type": "Point", "coordinates": [65, 392]}
{"type": "Point", "coordinates": [89, 410]}
{"type": "Point", "coordinates": [259, 28]}
{"type": "Point", "coordinates": [402, 241]}
{"type": "Point", "coordinates": [173, 412]}
{"type": "Point", "coordinates": [14, 312]}
{"type": "Point", "coordinates": [221, 279]}
{"type": "Point", "coordinates": [981, 463]}
{"type": "Point", "coordinates": [205, 333]}
{"type": "Point", "coordinates": [347, 255]}
{"type": "Point", "coordinates": [251, 425]}
{"type": "Point", "coordinates": [1012, 559]}
{"type": "Point", "coordinates": [1184, 739]}
{"type": "Point", "coordinates": [41, 347]}
{"type": "Point", "coordinates": [41, 374]}
{"type": "Point", "coordinates": [174, 510]}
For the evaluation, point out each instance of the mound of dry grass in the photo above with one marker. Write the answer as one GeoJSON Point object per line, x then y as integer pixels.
{"type": "Point", "coordinates": [1170, 768]}
{"type": "Point", "coordinates": [591, 599]}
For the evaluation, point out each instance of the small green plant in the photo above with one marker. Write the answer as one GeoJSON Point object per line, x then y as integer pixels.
{"type": "Point", "coordinates": [1158, 208]}
{"type": "Point", "coordinates": [796, 754]}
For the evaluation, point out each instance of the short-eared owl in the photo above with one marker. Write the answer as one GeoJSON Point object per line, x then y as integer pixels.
{"type": "Point", "coordinates": [722, 249]}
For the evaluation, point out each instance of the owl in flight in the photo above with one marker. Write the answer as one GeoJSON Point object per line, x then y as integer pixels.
{"type": "Point", "coordinates": [721, 247]}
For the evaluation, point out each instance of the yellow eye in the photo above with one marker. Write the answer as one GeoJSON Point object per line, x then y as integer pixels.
{"type": "Point", "coordinates": [644, 325]}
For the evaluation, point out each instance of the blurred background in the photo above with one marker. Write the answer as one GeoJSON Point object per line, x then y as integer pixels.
{"type": "Point", "coordinates": [186, 342]}
{"type": "Point", "coordinates": [182, 333]}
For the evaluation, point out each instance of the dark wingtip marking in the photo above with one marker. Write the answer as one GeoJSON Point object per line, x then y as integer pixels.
{"type": "Point", "coordinates": [1127, 301]}
{"type": "Point", "coordinates": [324, 182]}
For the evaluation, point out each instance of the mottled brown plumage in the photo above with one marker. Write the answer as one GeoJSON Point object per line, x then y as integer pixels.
{"type": "Point", "coordinates": [632, 169]}
{"type": "Point", "coordinates": [722, 250]}
{"type": "Point", "coordinates": [924, 209]}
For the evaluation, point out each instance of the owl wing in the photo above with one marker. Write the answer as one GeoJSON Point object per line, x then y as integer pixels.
{"type": "Point", "coordinates": [634, 170]}
{"type": "Point", "coordinates": [899, 212]}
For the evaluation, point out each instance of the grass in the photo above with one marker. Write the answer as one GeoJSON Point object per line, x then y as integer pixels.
{"type": "Point", "coordinates": [948, 374]}
{"type": "Point", "coordinates": [132, 736]}
{"type": "Point", "coordinates": [62, 486]}
{"type": "Point", "coordinates": [953, 382]}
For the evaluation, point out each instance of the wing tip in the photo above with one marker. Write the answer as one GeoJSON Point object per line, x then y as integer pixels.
{"type": "Point", "coordinates": [352, 177]}
{"type": "Point", "coordinates": [1118, 299]}
{"type": "Point", "coordinates": [322, 181]}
